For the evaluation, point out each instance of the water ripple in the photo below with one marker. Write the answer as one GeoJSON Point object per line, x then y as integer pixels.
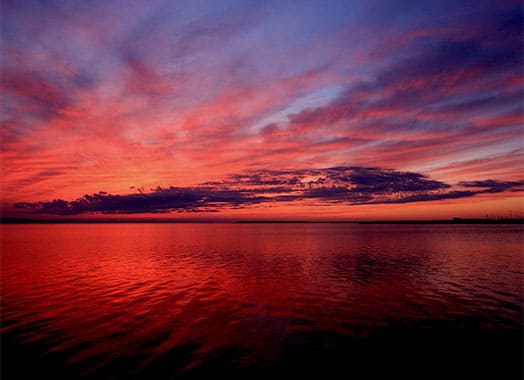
{"type": "Point", "coordinates": [177, 300]}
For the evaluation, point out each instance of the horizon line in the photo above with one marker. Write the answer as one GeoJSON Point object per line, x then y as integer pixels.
{"type": "Point", "coordinates": [454, 220]}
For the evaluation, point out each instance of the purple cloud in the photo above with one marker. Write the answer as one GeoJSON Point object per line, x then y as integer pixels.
{"type": "Point", "coordinates": [337, 185]}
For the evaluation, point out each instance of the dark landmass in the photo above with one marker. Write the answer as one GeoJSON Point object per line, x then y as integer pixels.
{"type": "Point", "coordinates": [103, 221]}
{"type": "Point", "coordinates": [452, 221]}
{"type": "Point", "coordinates": [441, 221]}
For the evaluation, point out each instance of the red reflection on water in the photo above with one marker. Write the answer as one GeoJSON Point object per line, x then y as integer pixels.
{"type": "Point", "coordinates": [142, 289]}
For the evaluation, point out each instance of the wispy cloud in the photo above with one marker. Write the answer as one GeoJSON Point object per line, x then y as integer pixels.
{"type": "Point", "coordinates": [110, 94]}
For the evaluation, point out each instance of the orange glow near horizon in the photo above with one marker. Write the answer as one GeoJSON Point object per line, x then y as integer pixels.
{"type": "Point", "coordinates": [427, 120]}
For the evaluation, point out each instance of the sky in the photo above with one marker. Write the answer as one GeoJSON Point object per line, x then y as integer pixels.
{"type": "Point", "coordinates": [321, 110]}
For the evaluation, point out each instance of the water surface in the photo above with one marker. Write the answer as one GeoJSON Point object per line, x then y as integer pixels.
{"type": "Point", "coordinates": [256, 300]}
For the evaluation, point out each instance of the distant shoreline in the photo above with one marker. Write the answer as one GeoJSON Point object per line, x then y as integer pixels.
{"type": "Point", "coordinates": [114, 221]}
{"type": "Point", "coordinates": [443, 221]}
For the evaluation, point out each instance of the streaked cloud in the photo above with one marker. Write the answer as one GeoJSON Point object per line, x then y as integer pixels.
{"type": "Point", "coordinates": [325, 187]}
{"type": "Point", "coordinates": [147, 94]}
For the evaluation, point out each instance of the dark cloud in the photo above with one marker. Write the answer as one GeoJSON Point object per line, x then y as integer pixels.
{"type": "Point", "coordinates": [474, 104]}
{"type": "Point", "coordinates": [337, 185]}
{"type": "Point", "coordinates": [173, 199]}
{"type": "Point", "coordinates": [438, 73]}
{"type": "Point", "coordinates": [491, 186]}
{"type": "Point", "coordinates": [492, 45]}
{"type": "Point", "coordinates": [424, 197]}
{"type": "Point", "coordinates": [159, 200]}
{"type": "Point", "coordinates": [382, 181]}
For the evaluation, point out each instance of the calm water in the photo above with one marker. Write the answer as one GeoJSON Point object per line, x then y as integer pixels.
{"type": "Point", "coordinates": [259, 300]}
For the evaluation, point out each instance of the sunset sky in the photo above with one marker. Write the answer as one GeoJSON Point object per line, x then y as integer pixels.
{"type": "Point", "coordinates": [321, 110]}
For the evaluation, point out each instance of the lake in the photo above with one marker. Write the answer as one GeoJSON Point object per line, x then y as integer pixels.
{"type": "Point", "coordinates": [119, 301]}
